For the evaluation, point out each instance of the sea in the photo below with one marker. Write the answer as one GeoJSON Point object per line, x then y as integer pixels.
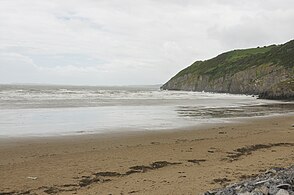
{"type": "Point", "coordinates": [55, 110]}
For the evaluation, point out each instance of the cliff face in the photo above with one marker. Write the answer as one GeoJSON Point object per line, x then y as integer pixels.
{"type": "Point", "coordinates": [267, 72]}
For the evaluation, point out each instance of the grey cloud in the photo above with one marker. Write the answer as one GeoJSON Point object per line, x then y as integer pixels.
{"type": "Point", "coordinates": [130, 42]}
{"type": "Point", "coordinates": [262, 28]}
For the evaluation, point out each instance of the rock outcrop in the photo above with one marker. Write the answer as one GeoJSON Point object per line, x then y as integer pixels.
{"type": "Point", "coordinates": [267, 72]}
{"type": "Point", "coordinates": [276, 181]}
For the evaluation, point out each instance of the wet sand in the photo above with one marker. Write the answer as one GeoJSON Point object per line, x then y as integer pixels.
{"type": "Point", "coordinates": [187, 161]}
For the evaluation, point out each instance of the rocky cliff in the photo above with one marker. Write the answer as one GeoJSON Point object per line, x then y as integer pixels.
{"type": "Point", "coordinates": [266, 71]}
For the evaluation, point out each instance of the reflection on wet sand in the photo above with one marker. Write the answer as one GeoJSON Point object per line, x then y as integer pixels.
{"type": "Point", "coordinates": [232, 112]}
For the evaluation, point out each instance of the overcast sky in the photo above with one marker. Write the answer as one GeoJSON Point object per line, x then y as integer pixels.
{"type": "Point", "coordinates": [129, 42]}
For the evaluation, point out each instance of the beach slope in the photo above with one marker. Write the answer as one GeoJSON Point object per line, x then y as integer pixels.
{"type": "Point", "coordinates": [187, 161]}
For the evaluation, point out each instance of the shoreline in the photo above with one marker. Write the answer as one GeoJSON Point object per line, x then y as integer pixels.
{"type": "Point", "coordinates": [125, 132]}
{"type": "Point", "coordinates": [187, 161]}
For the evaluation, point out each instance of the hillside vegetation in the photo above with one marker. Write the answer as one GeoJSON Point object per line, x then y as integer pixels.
{"type": "Point", "coordinates": [265, 71]}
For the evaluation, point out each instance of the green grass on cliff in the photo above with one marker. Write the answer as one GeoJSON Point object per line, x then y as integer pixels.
{"type": "Point", "coordinates": [234, 61]}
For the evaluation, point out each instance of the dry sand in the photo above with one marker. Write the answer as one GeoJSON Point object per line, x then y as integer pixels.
{"type": "Point", "coordinates": [166, 162]}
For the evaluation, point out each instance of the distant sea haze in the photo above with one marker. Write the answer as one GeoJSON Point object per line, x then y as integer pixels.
{"type": "Point", "coordinates": [28, 110]}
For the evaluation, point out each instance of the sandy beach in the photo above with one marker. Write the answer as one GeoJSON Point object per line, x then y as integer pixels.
{"type": "Point", "coordinates": [187, 161]}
